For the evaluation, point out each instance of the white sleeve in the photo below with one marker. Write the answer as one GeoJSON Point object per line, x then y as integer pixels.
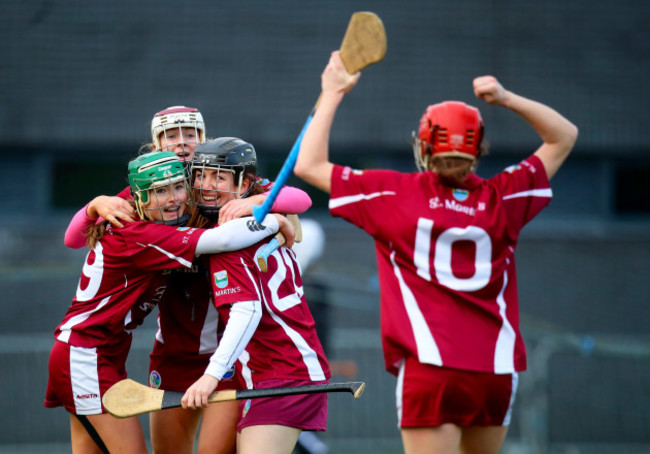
{"type": "Point", "coordinates": [244, 318]}
{"type": "Point", "coordinates": [236, 234]}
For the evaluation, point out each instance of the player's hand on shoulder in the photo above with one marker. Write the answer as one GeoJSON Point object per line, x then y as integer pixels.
{"type": "Point", "coordinates": [197, 395]}
{"type": "Point", "coordinates": [490, 90]}
{"type": "Point", "coordinates": [237, 208]}
{"type": "Point", "coordinates": [115, 210]}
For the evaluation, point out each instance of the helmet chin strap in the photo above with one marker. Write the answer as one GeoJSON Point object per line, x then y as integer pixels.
{"type": "Point", "coordinates": [242, 177]}
{"type": "Point", "coordinates": [179, 222]}
{"type": "Point", "coordinates": [210, 212]}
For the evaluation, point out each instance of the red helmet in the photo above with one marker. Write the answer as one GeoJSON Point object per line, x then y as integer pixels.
{"type": "Point", "coordinates": [450, 128]}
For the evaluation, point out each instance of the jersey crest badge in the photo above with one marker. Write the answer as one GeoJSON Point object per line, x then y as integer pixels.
{"type": "Point", "coordinates": [221, 279]}
{"type": "Point", "coordinates": [247, 406]}
{"type": "Point", "coordinates": [155, 379]}
{"type": "Point", "coordinates": [229, 374]}
{"type": "Point", "coordinates": [460, 194]}
{"type": "Point", "coordinates": [513, 168]}
{"type": "Point", "coordinates": [265, 183]}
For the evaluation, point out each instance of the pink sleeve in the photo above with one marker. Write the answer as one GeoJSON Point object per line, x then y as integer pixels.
{"type": "Point", "coordinates": [75, 235]}
{"type": "Point", "coordinates": [291, 200]}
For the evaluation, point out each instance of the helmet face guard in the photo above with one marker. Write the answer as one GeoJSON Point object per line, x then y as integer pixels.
{"type": "Point", "coordinates": [160, 176]}
{"type": "Point", "coordinates": [171, 121]}
{"type": "Point", "coordinates": [225, 154]}
{"type": "Point", "coordinates": [450, 128]}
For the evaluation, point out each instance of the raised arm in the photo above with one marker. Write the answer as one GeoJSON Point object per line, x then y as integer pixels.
{"type": "Point", "coordinates": [313, 163]}
{"type": "Point", "coordinates": [558, 134]}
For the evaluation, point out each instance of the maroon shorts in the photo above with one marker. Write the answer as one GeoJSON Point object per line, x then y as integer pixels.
{"type": "Point", "coordinates": [302, 411]}
{"type": "Point", "coordinates": [79, 377]}
{"type": "Point", "coordinates": [177, 373]}
{"type": "Point", "coordinates": [429, 396]}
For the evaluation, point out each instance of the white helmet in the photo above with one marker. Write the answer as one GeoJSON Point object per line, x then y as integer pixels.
{"type": "Point", "coordinates": [177, 117]}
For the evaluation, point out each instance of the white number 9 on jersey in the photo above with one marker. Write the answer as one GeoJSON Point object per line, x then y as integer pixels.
{"type": "Point", "coordinates": [93, 273]}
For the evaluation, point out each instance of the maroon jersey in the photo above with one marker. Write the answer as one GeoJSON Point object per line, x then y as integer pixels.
{"type": "Point", "coordinates": [126, 194]}
{"type": "Point", "coordinates": [446, 260]}
{"type": "Point", "coordinates": [188, 323]}
{"type": "Point", "coordinates": [122, 280]}
{"type": "Point", "coordinates": [187, 320]}
{"type": "Point", "coordinates": [188, 331]}
{"type": "Point", "coordinates": [285, 344]}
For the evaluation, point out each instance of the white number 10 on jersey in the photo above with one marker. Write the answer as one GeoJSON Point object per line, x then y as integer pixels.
{"type": "Point", "coordinates": [443, 254]}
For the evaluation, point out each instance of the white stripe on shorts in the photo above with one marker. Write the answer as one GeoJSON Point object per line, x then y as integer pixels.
{"type": "Point", "coordinates": [515, 383]}
{"type": "Point", "coordinates": [399, 391]}
{"type": "Point", "coordinates": [85, 381]}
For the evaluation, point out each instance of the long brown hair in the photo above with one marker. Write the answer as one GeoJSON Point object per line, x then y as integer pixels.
{"type": "Point", "coordinates": [452, 170]}
{"type": "Point", "coordinates": [95, 233]}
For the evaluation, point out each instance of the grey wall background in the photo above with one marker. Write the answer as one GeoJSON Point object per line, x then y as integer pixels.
{"type": "Point", "coordinates": [80, 81]}
{"type": "Point", "coordinates": [89, 72]}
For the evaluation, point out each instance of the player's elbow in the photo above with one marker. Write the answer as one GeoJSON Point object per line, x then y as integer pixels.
{"type": "Point", "coordinates": [565, 140]}
{"type": "Point", "coordinates": [305, 172]}
{"type": "Point", "coordinates": [569, 140]}
{"type": "Point", "coordinates": [318, 175]}
{"type": "Point", "coordinates": [301, 169]}
{"type": "Point", "coordinates": [573, 134]}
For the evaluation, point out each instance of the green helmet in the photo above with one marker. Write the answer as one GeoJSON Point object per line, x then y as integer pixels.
{"type": "Point", "coordinates": [153, 170]}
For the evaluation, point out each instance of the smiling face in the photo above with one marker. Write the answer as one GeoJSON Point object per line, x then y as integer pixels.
{"type": "Point", "coordinates": [214, 187]}
{"type": "Point", "coordinates": [158, 182]}
{"type": "Point", "coordinates": [166, 203]}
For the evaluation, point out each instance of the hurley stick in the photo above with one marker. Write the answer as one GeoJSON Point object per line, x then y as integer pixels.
{"type": "Point", "coordinates": [128, 398]}
{"type": "Point", "coordinates": [364, 43]}
{"type": "Point", "coordinates": [278, 240]}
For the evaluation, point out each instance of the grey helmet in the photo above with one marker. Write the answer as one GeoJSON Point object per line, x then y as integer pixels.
{"type": "Point", "coordinates": [223, 154]}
